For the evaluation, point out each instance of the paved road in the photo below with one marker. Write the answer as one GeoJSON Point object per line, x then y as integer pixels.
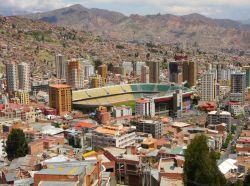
{"type": "Point", "coordinates": [225, 155]}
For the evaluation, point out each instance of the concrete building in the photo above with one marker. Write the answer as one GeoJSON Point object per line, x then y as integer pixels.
{"type": "Point", "coordinates": [103, 116]}
{"type": "Point", "coordinates": [89, 71]}
{"type": "Point", "coordinates": [190, 72]}
{"type": "Point", "coordinates": [12, 77]}
{"type": "Point", "coordinates": [238, 87]}
{"type": "Point", "coordinates": [175, 72]}
{"type": "Point", "coordinates": [23, 97]}
{"type": "Point", "coordinates": [207, 87]}
{"type": "Point", "coordinates": [61, 67]}
{"type": "Point", "coordinates": [138, 67]}
{"type": "Point", "coordinates": [69, 173]}
{"type": "Point", "coordinates": [153, 127]}
{"type": "Point", "coordinates": [217, 117]}
{"type": "Point", "coordinates": [24, 76]}
{"type": "Point", "coordinates": [145, 74]}
{"type": "Point", "coordinates": [128, 67]}
{"type": "Point", "coordinates": [236, 109]}
{"type": "Point", "coordinates": [177, 103]}
{"type": "Point", "coordinates": [247, 70]}
{"type": "Point", "coordinates": [60, 98]}
{"type": "Point", "coordinates": [225, 77]}
{"type": "Point", "coordinates": [122, 111]}
{"type": "Point", "coordinates": [97, 81]}
{"type": "Point", "coordinates": [113, 136]}
{"type": "Point", "coordinates": [154, 68]}
{"type": "Point", "coordinates": [75, 75]}
{"type": "Point", "coordinates": [145, 107]}
{"type": "Point", "coordinates": [103, 71]}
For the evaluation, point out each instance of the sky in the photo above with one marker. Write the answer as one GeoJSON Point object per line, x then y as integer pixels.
{"type": "Point", "coordinates": [232, 9]}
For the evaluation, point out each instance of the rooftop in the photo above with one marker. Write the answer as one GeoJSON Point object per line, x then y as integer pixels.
{"type": "Point", "coordinates": [112, 130]}
{"type": "Point", "coordinates": [180, 124]}
{"type": "Point", "coordinates": [220, 112]}
{"type": "Point", "coordinates": [68, 171]}
{"type": "Point", "coordinates": [169, 166]}
{"type": "Point", "coordinates": [60, 86]}
{"type": "Point", "coordinates": [227, 165]}
{"type": "Point", "coordinates": [55, 183]}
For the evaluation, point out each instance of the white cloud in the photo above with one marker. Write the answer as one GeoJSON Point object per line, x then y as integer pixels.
{"type": "Point", "coordinates": [31, 5]}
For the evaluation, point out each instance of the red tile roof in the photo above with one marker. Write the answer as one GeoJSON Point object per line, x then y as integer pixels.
{"type": "Point", "coordinates": [85, 125]}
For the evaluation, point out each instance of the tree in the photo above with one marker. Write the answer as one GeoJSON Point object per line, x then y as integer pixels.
{"type": "Point", "coordinates": [200, 165]}
{"type": "Point", "coordinates": [110, 67]}
{"type": "Point", "coordinates": [16, 144]}
{"type": "Point", "coordinates": [97, 63]}
{"type": "Point", "coordinates": [247, 179]}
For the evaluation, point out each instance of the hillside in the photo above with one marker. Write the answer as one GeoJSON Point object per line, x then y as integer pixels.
{"type": "Point", "coordinates": [194, 28]}
{"type": "Point", "coordinates": [37, 42]}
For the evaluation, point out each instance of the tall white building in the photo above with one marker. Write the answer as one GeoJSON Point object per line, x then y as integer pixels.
{"type": "Point", "coordinates": [61, 67]}
{"type": "Point", "coordinates": [86, 68]}
{"type": "Point", "coordinates": [144, 74]}
{"type": "Point", "coordinates": [12, 77]}
{"type": "Point", "coordinates": [207, 87]}
{"type": "Point", "coordinates": [138, 67]}
{"type": "Point", "coordinates": [145, 107]}
{"type": "Point", "coordinates": [128, 67]}
{"type": "Point", "coordinates": [24, 76]}
{"type": "Point", "coordinates": [75, 75]}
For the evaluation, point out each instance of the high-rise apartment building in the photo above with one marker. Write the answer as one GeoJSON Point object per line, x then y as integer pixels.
{"type": "Point", "coordinates": [154, 68]}
{"type": "Point", "coordinates": [86, 68]}
{"type": "Point", "coordinates": [145, 74]}
{"type": "Point", "coordinates": [61, 67]}
{"type": "Point", "coordinates": [190, 72]}
{"type": "Point", "coordinates": [60, 98]}
{"type": "Point", "coordinates": [175, 72]}
{"type": "Point", "coordinates": [128, 67]}
{"type": "Point", "coordinates": [238, 87]}
{"type": "Point", "coordinates": [138, 67]}
{"type": "Point", "coordinates": [103, 71]}
{"type": "Point", "coordinates": [24, 76]}
{"type": "Point", "coordinates": [207, 87]}
{"type": "Point", "coordinates": [12, 77]}
{"type": "Point", "coordinates": [75, 75]}
{"type": "Point", "coordinates": [247, 70]}
{"type": "Point", "coordinates": [97, 82]}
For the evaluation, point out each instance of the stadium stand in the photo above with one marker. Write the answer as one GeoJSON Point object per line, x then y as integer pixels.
{"type": "Point", "coordinates": [121, 93]}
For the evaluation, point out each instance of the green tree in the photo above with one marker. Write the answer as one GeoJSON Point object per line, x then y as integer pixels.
{"type": "Point", "coordinates": [200, 165]}
{"type": "Point", "coordinates": [110, 67]}
{"type": "Point", "coordinates": [247, 180]}
{"type": "Point", "coordinates": [97, 63]}
{"type": "Point", "coordinates": [16, 144]}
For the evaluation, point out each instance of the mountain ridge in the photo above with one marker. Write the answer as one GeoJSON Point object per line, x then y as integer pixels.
{"type": "Point", "coordinates": [208, 32]}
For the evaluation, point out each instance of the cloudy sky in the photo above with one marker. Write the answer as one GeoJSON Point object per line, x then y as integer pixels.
{"type": "Point", "coordinates": [233, 9]}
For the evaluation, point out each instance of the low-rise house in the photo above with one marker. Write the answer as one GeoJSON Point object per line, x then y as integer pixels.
{"type": "Point", "coordinates": [171, 168]}
{"type": "Point", "coordinates": [229, 168]}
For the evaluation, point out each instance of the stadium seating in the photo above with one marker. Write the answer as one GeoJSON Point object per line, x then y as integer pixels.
{"type": "Point", "coordinates": [121, 93]}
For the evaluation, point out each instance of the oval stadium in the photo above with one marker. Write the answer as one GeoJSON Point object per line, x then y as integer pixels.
{"type": "Point", "coordinates": [87, 100]}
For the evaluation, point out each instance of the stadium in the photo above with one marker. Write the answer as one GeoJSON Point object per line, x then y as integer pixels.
{"type": "Point", "coordinates": [88, 100]}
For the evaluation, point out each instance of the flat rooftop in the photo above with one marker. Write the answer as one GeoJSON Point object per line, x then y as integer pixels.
{"type": "Point", "coordinates": [67, 171]}
{"type": "Point", "coordinates": [59, 86]}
